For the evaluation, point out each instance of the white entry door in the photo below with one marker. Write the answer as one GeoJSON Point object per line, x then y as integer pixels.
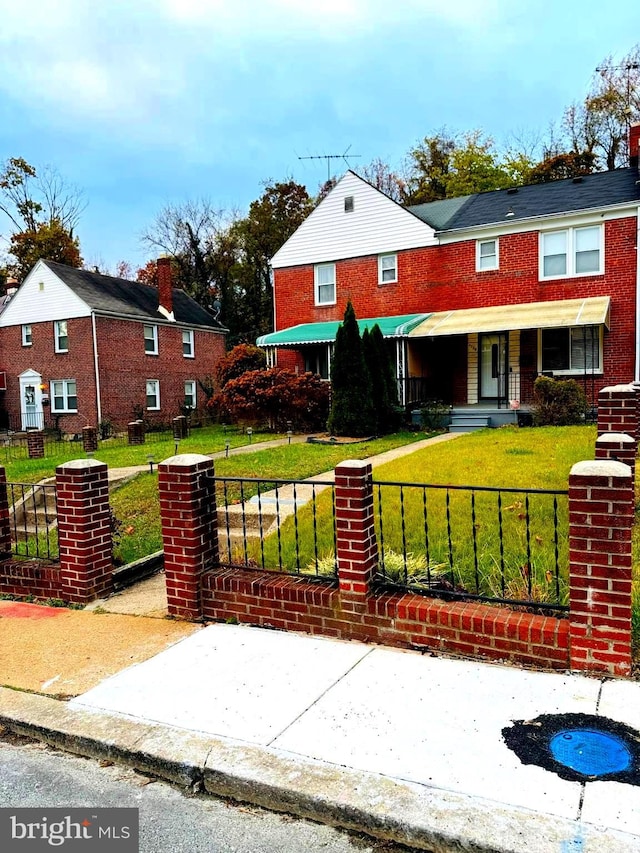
{"type": "Point", "coordinates": [31, 400]}
{"type": "Point", "coordinates": [493, 366]}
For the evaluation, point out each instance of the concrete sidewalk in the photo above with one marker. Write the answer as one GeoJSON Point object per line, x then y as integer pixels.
{"type": "Point", "coordinates": [393, 743]}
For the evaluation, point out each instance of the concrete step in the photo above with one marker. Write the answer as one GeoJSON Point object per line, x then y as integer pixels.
{"type": "Point", "coordinates": [469, 423]}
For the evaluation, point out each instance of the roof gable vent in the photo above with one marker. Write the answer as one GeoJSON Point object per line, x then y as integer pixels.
{"type": "Point", "coordinates": [348, 204]}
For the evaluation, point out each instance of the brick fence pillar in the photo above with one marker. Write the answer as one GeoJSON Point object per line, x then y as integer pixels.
{"type": "Point", "coordinates": [618, 447]}
{"type": "Point", "coordinates": [356, 546]}
{"type": "Point", "coordinates": [89, 439]}
{"type": "Point", "coordinates": [35, 444]}
{"type": "Point", "coordinates": [5, 523]}
{"type": "Point", "coordinates": [618, 410]}
{"type": "Point", "coordinates": [135, 432]}
{"type": "Point", "coordinates": [180, 428]}
{"type": "Point", "coordinates": [84, 530]}
{"type": "Point", "coordinates": [601, 514]}
{"type": "Point", "coordinates": [189, 529]}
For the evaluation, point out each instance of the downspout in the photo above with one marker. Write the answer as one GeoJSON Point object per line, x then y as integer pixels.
{"type": "Point", "coordinates": [636, 377]}
{"type": "Point", "coordinates": [95, 366]}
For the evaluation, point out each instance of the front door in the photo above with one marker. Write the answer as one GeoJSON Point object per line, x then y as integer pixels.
{"type": "Point", "coordinates": [493, 366]}
{"type": "Point", "coordinates": [31, 400]}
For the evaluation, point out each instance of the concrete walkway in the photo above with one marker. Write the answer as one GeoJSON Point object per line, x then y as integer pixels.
{"type": "Point", "coordinates": [394, 743]}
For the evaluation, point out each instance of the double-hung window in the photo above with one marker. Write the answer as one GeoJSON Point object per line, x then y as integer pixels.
{"type": "Point", "coordinates": [571, 252]}
{"type": "Point", "coordinates": [325, 284]}
{"type": "Point", "coordinates": [486, 255]}
{"type": "Point", "coordinates": [151, 340]}
{"type": "Point", "coordinates": [187, 343]}
{"type": "Point", "coordinates": [387, 269]}
{"type": "Point", "coordinates": [190, 393]}
{"type": "Point", "coordinates": [153, 394]}
{"type": "Point", "coordinates": [64, 395]}
{"type": "Point", "coordinates": [571, 350]}
{"type": "Point", "coordinates": [27, 337]}
{"type": "Point", "coordinates": [61, 336]}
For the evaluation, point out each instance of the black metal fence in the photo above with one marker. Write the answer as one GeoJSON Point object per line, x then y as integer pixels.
{"type": "Point", "coordinates": [507, 546]}
{"type": "Point", "coordinates": [278, 525]}
{"type": "Point", "coordinates": [33, 520]}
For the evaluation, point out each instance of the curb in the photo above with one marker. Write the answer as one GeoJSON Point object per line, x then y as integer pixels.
{"type": "Point", "coordinates": [432, 819]}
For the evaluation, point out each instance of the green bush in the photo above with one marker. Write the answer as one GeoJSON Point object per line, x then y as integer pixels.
{"type": "Point", "coordinates": [352, 411]}
{"type": "Point", "coordinates": [558, 402]}
{"type": "Point", "coordinates": [435, 415]}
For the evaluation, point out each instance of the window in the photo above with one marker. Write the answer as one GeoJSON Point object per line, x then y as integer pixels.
{"type": "Point", "coordinates": [151, 340]}
{"type": "Point", "coordinates": [486, 255]}
{"type": "Point", "coordinates": [153, 394]}
{"type": "Point", "coordinates": [60, 335]}
{"type": "Point", "coordinates": [316, 360]}
{"type": "Point", "coordinates": [27, 338]}
{"type": "Point", "coordinates": [187, 343]}
{"type": "Point", "coordinates": [573, 350]}
{"type": "Point", "coordinates": [325, 284]}
{"type": "Point", "coordinates": [190, 393]}
{"type": "Point", "coordinates": [64, 396]}
{"type": "Point", "coordinates": [387, 269]}
{"type": "Point", "coordinates": [574, 251]}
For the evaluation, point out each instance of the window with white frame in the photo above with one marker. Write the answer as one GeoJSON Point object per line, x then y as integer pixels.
{"type": "Point", "coordinates": [151, 340]}
{"type": "Point", "coordinates": [571, 350]}
{"type": "Point", "coordinates": [187, 343]}
{"type": "Point", "coordinates": [153, 394]}
{"type": "Point", "coordinates": [387, 269]}
{"type": "Point", "coordinates": [61, 336]}
{"type": "Point", "coordinates": [27, 337]}
{"type": "Point", "coordinates": [486, 255]}
{"type": "Point", "coordinates": [64, 395]}
{"type": "Point", "coordinates": [190, 393]}
{"type": "Point", "coordinates": [325, 284]}
{"type": "Point", "coordinates": [571, 252]}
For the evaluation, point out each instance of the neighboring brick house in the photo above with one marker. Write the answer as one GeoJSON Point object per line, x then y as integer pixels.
{"type": "Point", "coordinates": [82, 348]}
{"type": "Point", "coordinates": [476, 295]}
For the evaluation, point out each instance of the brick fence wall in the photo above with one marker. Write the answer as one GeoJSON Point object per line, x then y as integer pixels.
{"type": "Point", "coordinates": [84, 570]}
{"type": "Point", "coordinates": [595, 637]}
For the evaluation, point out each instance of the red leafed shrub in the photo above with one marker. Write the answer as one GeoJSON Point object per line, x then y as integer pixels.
{"type": "Point", "coordinates": [275, 397]}
{"type": "Point", "coordinates": [239, 360]}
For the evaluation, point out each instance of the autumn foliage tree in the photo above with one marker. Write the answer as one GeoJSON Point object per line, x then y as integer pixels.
{"type": "Point", "coordinates": [239, 360]}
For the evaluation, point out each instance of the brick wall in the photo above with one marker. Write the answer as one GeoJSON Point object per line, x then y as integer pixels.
{"type": "Point", "coordinates": [443, 278]}
{"type": "Point", "coordinates": [595, 637]}
{"type": "Point", "coordinates": [84, 571]}
{"type": "Point", "coordinates": [124, 368]}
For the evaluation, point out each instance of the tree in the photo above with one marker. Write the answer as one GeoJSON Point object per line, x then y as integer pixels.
{"type": "Point", "coordinates": [599, 124]}
{"type": "Point", "coordinates": [352, 410]}
{"type": "Point", "coordinates": [384, 389]}
{"type": "Point", "coordinates": [446, 166]}
{"type": "Point", "coordinates": [559, 166]}
{"type": "Point", "coordinates": [242, 358]}
{"type": "Point", "coordinates": [380, 175]}
{"type": "Point", "coordinates": [41, 211]}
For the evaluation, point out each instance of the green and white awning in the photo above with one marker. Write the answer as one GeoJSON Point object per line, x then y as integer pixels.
{"type": "Point", "coordinates": [398, 326]}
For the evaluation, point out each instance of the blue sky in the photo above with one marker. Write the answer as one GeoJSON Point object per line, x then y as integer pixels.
{"type": "Point", "coordinates": [145, 102]}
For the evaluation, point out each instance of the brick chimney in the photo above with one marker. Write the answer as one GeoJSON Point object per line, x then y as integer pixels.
{"type": "Point", "coordinates": [165, 289]}
{"type": "Point", "coordinates": [634, 144]}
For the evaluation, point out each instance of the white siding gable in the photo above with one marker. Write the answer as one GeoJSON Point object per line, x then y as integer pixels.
{"type": "Point", "coordinates": [374, 226]}
{"type": "Point", "coordinates": [42, 296]}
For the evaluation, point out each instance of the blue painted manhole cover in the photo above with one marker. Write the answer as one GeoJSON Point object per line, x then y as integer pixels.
{"type": "Point", "coordinates": [578, 747]}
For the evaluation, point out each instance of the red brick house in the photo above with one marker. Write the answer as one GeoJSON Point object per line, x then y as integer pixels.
{"type": "Point", "coordinates": [81, 348]}
{"type": "Point", "coordinates": [476, 295]}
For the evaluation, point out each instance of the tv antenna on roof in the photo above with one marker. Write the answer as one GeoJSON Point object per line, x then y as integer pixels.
{"type": "Point", "coordinates": [329, 157]}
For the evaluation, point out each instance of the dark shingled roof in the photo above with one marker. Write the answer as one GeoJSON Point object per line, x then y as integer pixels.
{"type": "Point", "coordinates": [602, 189]}
{"type": "Point", "coordinates": [106, 294]}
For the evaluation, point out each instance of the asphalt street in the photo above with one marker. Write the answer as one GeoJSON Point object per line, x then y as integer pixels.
{"type": "Point", "coordinates": [34, 775]}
